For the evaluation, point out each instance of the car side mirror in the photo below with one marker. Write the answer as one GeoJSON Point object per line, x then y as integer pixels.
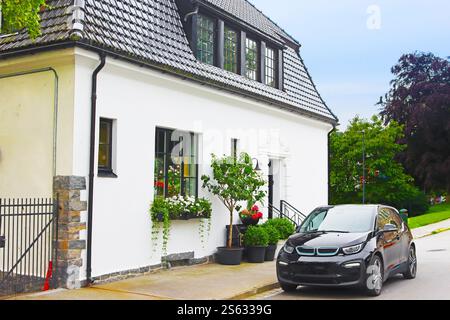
{"type": "Point", "coordinates": [390, 228]}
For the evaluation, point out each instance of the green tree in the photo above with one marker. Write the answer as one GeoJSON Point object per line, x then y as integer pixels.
{"type": "Point", "coordinates": [386, 181]}
{"type": "Point", "coordinates": [234, 180]}
{"type": "Point", "coordinates": [17, 15]}
{"type": "Point", "coordinates": [419, 99]}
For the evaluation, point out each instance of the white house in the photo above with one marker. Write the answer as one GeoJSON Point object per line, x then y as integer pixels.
{"type": "Point", "coordinates": [217, 72]}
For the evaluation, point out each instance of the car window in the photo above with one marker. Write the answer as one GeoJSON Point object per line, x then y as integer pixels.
{"type": "Point", "coordinates": [341, 218]}
{"type": "Point", "coordinates": [396, 220]}
{"type": "Point", "coordinates": [383, 218]}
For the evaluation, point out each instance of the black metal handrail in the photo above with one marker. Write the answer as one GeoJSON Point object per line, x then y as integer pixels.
{"type": "Point", "coordinates": [289, 211]}
{"type": "Point", "coordinates": [279, 214]}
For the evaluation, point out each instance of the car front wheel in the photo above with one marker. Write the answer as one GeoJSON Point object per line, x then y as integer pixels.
{"type": "Point", "coordinates": [412, 265]}
{"type": "Point", "coordinates": [374, 279]}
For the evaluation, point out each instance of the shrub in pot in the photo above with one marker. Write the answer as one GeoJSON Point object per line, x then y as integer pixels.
{"type": "Point", "coordinates": [234, 180]}
{"type": "Point", "coordinates": [256, 241]}
{"type": "Point", "coordinates": [284, 226]}
{"type": "Point", "coordinates": [274, 237]}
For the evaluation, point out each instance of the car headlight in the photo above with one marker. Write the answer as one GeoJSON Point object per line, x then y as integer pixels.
{"type": "Point", "coordinates": [353, 249]}
{"type": "Point", "coordinates": [288, 248]}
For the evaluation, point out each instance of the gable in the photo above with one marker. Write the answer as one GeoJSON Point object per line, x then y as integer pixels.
{"type": "Point", "coordinates": [151, 32]}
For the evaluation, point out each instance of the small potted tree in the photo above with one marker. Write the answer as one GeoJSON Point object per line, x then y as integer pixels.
{"type": "Point", "coordinates": [234, 180]}
{"type": "Point", "coordinates": [274, 237]}
{"type": "Point", "coordinates": [256, 241]}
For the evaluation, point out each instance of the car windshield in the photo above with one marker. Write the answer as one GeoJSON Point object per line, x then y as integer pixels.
{"type": "Point", "coordinates": [351, 219]}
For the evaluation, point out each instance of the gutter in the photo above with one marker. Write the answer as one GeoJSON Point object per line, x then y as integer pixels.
{"type": "Point", "coordinates": [154, 65]}
{"type": "Point", "coordinates": [219, 86]}
{"type": "Point", "coordinates": [92, 166]}
{"type": "Point", "coordinates": [190, 14]}
{"type": "Point", "coordinates": [329, 162]}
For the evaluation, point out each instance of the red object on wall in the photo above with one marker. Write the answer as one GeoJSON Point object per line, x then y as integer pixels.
{"type": "Point", "coordinates": [48, 277]}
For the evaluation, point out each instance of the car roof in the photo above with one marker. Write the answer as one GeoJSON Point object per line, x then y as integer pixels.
{"type": "Point", "coordinates": [374, 206]}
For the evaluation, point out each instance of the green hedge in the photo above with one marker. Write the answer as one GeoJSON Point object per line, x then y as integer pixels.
{"type": "Point", "coordinates": [283, 225]}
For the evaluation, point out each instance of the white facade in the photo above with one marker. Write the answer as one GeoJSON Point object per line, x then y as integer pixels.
{"type": "Point", "coordinates": [139, 100]}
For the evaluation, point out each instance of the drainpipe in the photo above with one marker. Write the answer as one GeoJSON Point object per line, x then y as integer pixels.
{"type": "Point", "coordinates": [329, 162]}
{"type": "Point", "coordinates": [92, 166]}
{"type": "Point", "coordinates": [193, 13]}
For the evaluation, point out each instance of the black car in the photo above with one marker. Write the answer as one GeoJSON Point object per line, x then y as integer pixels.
{"type": "Point", "coordinates": [348, 245]}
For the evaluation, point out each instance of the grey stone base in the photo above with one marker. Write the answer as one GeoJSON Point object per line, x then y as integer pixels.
{"type": "Point", "coordinates": [133, 273]}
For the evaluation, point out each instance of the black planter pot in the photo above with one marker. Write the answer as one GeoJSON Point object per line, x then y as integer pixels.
{"type": "Point", "coordinates": [229, 256]}
{"type": "Point", "coordinates": [270, 253]}
{"type": "Point", "coordinates": [256, 254]}
{"type": "Point", "coordinates": [249, 221]}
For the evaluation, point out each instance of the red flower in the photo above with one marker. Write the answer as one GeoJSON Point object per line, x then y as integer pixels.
{"type": "Point", "coordinates": [255, 216]}
{"type": "Point", "coordinates": [159, 184]}
{"type": "Point", "coordinates": [255, 208]}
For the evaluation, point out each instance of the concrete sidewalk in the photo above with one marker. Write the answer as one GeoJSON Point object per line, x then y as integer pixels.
{"type": "Point", "coordinates": [428, 230]}
{"type": "Point", "coordinates": [205, 282]}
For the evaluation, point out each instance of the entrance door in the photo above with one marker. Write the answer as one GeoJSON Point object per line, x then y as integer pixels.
{"type": "Point", "coordinates": [274, 192]}
{"type": "Point", "coordinates": [270, 194]}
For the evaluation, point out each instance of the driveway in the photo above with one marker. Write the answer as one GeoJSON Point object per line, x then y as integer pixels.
{"type": "Point", "coordinates": [432, 282]}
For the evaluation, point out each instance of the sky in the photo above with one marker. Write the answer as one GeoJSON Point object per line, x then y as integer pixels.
{"type": "Point", "coordinates": [349, 46]}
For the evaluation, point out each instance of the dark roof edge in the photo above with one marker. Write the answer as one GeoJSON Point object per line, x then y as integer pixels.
{"type": "Point", "coordinates": [170, 70]}
{"type": "Point", "coordinates": [315, 88]}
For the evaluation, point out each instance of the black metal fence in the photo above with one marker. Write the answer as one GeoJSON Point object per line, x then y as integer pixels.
{"type": "Point", "coordinates": [27, 255]}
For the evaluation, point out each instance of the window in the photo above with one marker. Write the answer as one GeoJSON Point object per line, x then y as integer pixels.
{"type": "Point", "coordinates": [176, 169]}
{"type": "Point", "coordinates": [105, 147]}
{"type": "Point", "coordinates": [230, 50]}
{"type": "Point", "coordinates": [343, 218]}
{"type": "Point", "coordinates": [271, 63]}
{"type": "Point", "coordinates": [251, 55]}
{"type": "Point", "coordinates": [205, 39]}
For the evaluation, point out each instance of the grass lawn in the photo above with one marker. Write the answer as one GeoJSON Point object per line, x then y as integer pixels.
{"type": "Point", "coordinates": [435, 214]}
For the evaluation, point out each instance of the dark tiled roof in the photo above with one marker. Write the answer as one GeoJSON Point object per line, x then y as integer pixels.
{"type": "Point", "coordinates": [248, 13]}
{"type": "Point", "coordinates": [151, 31]}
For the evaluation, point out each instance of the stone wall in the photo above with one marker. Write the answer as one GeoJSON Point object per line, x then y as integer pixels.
{"type": "Point", "coordinates": [69, 246]}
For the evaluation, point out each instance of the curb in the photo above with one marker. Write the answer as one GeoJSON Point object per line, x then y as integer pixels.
{"type": "Point", "coordinates": [255, 291]}
{"type": "Point", "coordinates": [435, 232]}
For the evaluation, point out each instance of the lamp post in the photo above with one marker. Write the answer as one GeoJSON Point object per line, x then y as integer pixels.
{"type": "Point", "coordinates": [364, 167]}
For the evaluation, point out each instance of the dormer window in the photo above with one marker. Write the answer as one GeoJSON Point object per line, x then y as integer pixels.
{"type": "Point", "coordinates": [271, 67]}
{"type": "Point", "coordinates": [251, 55]}
{"type": "Point", "coordinates": [230, 55]}
{"type": "Point", "coordinates": [225, 43]}
{"type": "Point", "coordinates": [205, 39]}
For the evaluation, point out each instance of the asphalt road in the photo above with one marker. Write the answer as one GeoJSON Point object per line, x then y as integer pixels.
{"type": "Point", "coordinates": [432, 282]}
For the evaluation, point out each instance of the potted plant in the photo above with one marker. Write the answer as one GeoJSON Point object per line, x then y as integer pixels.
{"type": "Point", "coordinates": [250, 217]}
{"type": "Point", "coordinates": [164, 210]}
{"type": "Point", "coordinates": [234, 180]}
{"type": "Point", "coordinates": [159, 209]}
{"type": "Point", "coordinates": [274, 237]}
{"type": "Point", "coordinates": [285, 227]}
{"type": "Point", "coordinates": [256, 241]}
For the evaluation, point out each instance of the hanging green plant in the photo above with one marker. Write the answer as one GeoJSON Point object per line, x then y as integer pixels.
{"type": "Point", "coordinates": [164, 210]}
{"type": "Point", "coordinates": [160, 218]}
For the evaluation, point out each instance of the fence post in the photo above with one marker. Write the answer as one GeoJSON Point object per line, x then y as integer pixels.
{"type": "Point", "coordinates": [68, 245]}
